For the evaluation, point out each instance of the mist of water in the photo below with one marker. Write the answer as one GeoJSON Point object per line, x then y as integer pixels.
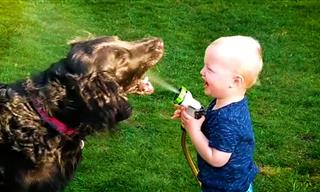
{"type": "Point", "coordinates": [156, 79]}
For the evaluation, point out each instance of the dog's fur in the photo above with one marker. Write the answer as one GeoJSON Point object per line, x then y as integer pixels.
{"type": "Point", "coordinates": [86, 91]}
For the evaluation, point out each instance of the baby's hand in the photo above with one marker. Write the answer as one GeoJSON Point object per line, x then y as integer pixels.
{"type": "Point", "coordinates": [177, 112]}
{"type": "Point", "coordinates": [190, 123]}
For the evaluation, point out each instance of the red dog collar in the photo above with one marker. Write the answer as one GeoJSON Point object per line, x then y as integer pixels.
{"type": "Point", "coordinates": [53, 122]}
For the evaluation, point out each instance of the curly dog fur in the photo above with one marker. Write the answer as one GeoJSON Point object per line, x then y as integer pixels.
{"type": "Point", "coordinates": [85, 92]}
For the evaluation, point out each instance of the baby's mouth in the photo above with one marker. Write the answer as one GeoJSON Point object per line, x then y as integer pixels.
{"type": "Point", "coordinates": [205, 84]}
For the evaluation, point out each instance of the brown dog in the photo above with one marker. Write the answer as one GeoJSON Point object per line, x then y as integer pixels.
{"type": "Point", "coordinates": [44, 119]}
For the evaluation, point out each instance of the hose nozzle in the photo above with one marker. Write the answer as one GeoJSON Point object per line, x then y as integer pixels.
{"type": "Point", "coordinates": [184, 98]}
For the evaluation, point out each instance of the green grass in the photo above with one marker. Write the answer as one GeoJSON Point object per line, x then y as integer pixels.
{"type": "Point", "coordinates": [145, 154]}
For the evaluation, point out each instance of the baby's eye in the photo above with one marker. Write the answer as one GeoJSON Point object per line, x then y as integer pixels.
{"type": "Point", "coordinates": [209, 69]}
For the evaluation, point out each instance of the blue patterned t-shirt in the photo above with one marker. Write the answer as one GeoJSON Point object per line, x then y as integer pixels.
{"type": "Point", "coordinates": [229, 129]}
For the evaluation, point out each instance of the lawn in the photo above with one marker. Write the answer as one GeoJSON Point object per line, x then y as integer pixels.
{"type": "Point", "coordinates": [145, 153]}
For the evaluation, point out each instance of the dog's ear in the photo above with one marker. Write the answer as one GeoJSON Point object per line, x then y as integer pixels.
{"type": "Point", "coordinates": [101, 99]}
{"type": "Point", "coordinates": [96, 90]}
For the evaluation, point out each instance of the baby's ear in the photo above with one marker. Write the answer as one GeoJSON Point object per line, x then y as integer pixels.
{"type": "Point", "coordinates": [239, 80]}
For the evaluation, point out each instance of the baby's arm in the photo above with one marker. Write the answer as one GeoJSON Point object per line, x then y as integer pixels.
{"type": "Point", "coordinates": [213, 156]}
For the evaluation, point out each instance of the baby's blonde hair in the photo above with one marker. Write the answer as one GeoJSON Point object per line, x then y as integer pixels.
{"type": "Point", "coordinates": [246, 53]}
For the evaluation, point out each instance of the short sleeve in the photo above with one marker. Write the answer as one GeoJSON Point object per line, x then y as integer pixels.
{"type": "Point", "coordinates": [224, 136]}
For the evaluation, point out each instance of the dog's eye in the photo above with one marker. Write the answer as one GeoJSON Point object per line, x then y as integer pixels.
{"type": "Point", "coordinates": [123, 60]}
{"type": "Point", "coordinates": [118, 53]}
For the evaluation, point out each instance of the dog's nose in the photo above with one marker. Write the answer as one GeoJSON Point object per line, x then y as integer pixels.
{"type": "Point", "coordinates": [157, 45]}
{"type": "Point", "coordinates": [160, 44]}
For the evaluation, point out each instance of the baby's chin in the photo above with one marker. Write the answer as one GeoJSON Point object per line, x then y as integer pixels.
{"type": "Point", "coordinates": [207, 90]}
{"type": "Point", "coordinates": [207, 93]}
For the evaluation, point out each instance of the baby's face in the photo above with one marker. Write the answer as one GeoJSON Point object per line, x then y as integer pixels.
{"type": "Point", "coordinates": [231, 62]}
{"type": "Point", "coordinates": [217, 73]}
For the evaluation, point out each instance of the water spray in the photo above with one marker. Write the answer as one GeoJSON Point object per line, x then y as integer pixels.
{"type": "Point", "coordinates": [156, 79]}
